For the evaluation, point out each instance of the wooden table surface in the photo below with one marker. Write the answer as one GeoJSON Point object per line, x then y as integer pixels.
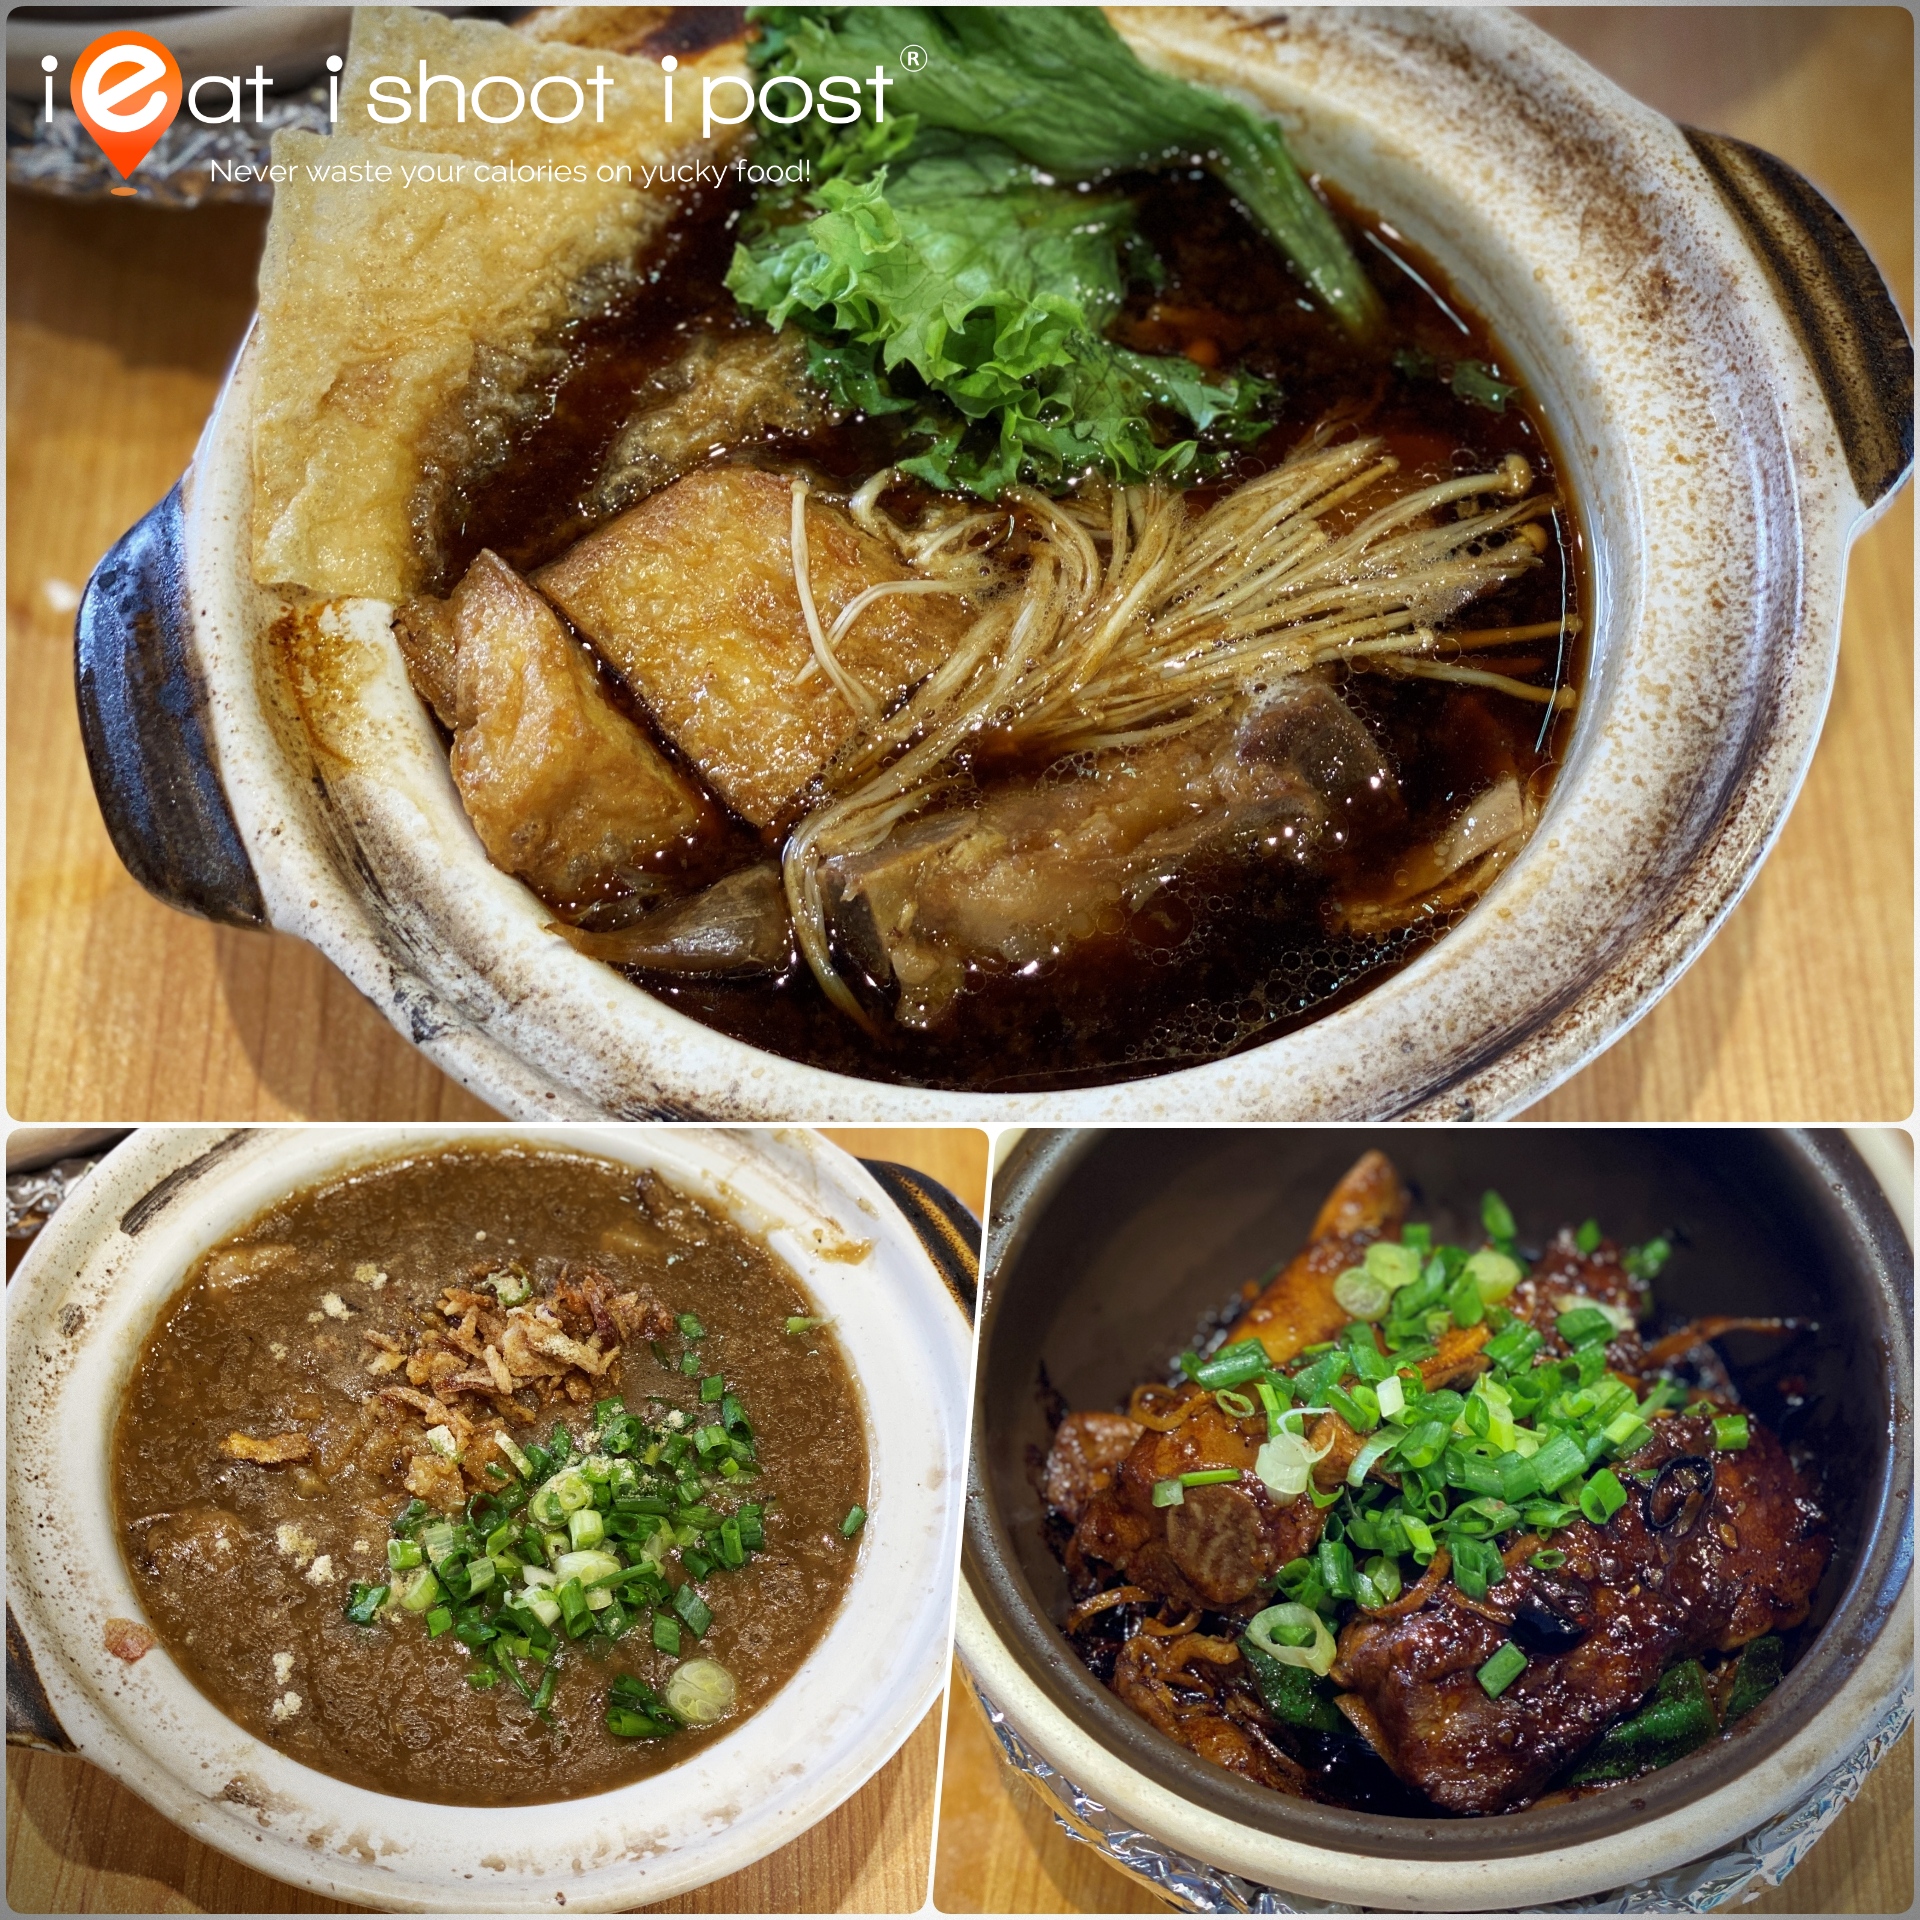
{"type": "Point", "coordinates": [77, 1842]}
{"type": "Point", "coordinates": [121, 319]}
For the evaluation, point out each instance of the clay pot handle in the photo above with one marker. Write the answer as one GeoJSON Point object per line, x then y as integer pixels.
{"type": "Point", "coordinates": [143, 719]}
{"type": "Point", "coordinates": [950, 1234]}
{"type": "Point", "coordinates": [1835, 299]}
{"type": "Point", "coordinates": [30, 1721]}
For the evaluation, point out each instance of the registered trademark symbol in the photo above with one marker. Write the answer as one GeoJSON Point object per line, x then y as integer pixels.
{"type": "Point", "coordinates": [913, 58]}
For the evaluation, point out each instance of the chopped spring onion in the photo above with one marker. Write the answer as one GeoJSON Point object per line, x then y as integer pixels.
{"type": "Point", "coordinates": [1558, 1461]}
{"type": "Point", "coordinates": [438, 1540]}
{"type": "Point", "coordinates": [364, 1601]}
{"type": "Point", "coordinates": [666, 1633]}
{"type": "Point", "coordinates": [1236, 1406]}
{"type": "Point", "coordinates": [803, 1323]}
{"type": "Point", "coordinates": [1550, 1557]}
{"type": "Point", "coordinates": [438, 1621]}
{"type": "Point", "coordinates": [543, 1694]}
{"type": "Point", "coordinates": [589, 1566]}
{"type": "Point", "coordinates": [1588, 1238]}
{"type": "Point", "coordinates": [1500, 1672]}
{"type": "Point", "coordinates": [1210, 1477]}
{"type": "Point", "coordinates": [1495, 1274]}
{"type": "Point", "coordinates": [1294, 1635]}
{"type": "Point", "coordinates": [510, 1285]}
{"type": "Point", "coordinates": [711, 1388]}
{"type": "Point", "coordinates": [1465, 1302]}
{"type": "Point", "coordinates": [1232, 1366]}
{"type": "Point", "coordinates": [586, 1528]}
{"type": "Point", "coordinates": [1358, 1408]}
{"type": "Point", "coordinates": [1357, 1292]}
{"type": "Point", "coordinates": [691, 1327]}
{"type": "Point", "coordinates": [1513, 1346]}
{"type": "Point", "coordinates": [1393, 1264]}
{"type": "Point", "coordinates": [1644, 1263]}
{"type": "Point", "coordinates": [573, 1607]}
{"type": "Point", "coordinates": [402, 1554]}
{"type": "Point", "coordinates": [701, 1692]}
{"type": "Point", "coordinates": [1730, 1432]}
{"type": "Point", "coordinates": [1381, 1443]}
{"type": "Point", "coordinates": [1621, 1319]}
{"type": "Point", "coordinates": [422, 1591]}
{"type": "Point", "coordinates": [441, 1440]}
{"type": "Point", "coordinates": [541, 1604]}
{"type": "Point", "coordinates": [1392, 1395]}
{"type": "Point", "coordinates": [1378, 1582]}
{"type": "Point", "coordinates": [1585, 1325]}
{"type": "Point", "coordinates": [1335, 1561]}
{"type": "Point", "coordinates": [1497, 1217]}
{"type": "Point", "coordinates": [855, 1520]}
{"type": "Point", "coordinates": [1271, 1403]}
{"type": "Point", "coordinates": [1170, 1493]}
{"type": "Point", "coordinates": [1285, 1464]}
{"type": "Point", "coordinates": [694, 1612]}
{"type": "Point", "coordinates": [1602, 1498]}
{"type": "Point", "coordinates": [511, 1448]}
{"type": "Point", "coordinates": [1476, 1565]}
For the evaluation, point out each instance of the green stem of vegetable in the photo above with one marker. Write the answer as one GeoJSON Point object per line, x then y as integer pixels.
{"type": "Point", "coordinates": [1255, 164]}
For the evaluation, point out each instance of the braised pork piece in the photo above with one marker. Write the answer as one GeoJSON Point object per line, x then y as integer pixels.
{"type": "Point", "coordinates": [490, 1476]}
{"type": "Point", "coordinates": [1433, 1528]}
{"type": "Point", "coordinates": [1129, 656]}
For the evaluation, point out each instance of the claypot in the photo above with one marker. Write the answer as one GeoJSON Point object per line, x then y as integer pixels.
{"type": "Point", "coordinates": [1730, 387]}
{"type": "Point", "coordinates": [1108, 1247]}
{"type": "Point", "coordinates": [78, 1314]}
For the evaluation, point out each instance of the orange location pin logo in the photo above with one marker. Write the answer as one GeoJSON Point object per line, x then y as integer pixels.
{"type": "Point", "coordinates": [126, 90]}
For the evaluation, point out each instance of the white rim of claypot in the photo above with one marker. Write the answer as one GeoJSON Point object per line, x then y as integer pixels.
{"type": "Point", "coordinates": [1717, 508]}
{"type": "Point", "coordinates": [81, 1307]}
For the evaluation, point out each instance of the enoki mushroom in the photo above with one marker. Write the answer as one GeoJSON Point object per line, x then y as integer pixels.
{"type": "Point", "coordinates": [1102, 629]}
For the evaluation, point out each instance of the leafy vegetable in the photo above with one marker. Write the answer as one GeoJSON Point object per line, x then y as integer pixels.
{"type": "Point", "coordinates": [1470, 380]}
{"type": "Point", "coordinates": [1061, 88]}
{"type": "Point", "coordinates": [961, 290]}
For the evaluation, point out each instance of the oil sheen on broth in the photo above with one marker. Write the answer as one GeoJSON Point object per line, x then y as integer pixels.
{"type": "Point", "coordinates": [305, 1334]}
{"type": "Point", "coordinates": [1209, 963]}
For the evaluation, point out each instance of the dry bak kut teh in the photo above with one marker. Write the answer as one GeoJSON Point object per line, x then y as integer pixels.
{"type": "Point", "coordinates": [1438, 1528]}
{"type": "Point", "coordinates": [490, 1476]}
{"type": "Point", "coordinates": [1055, 597]}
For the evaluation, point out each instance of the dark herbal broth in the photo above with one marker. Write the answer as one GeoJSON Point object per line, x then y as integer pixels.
{"type": "Point", "coordinates": [1208, 966]}
{"type": "Point", "coordinates": [245, 1569]}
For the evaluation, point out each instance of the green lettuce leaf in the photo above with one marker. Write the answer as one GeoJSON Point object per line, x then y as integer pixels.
{"type": "Point", "coordinates": [961, 288]}
{"type": "Point", "coordinates": [1061, 88]}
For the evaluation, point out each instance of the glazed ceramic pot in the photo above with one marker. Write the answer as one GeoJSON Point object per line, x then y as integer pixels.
{"type": "Point", "coordinates": [1730, 387]}
{"type": "Point", "coordinates": [1108, 1248]}
{"type": "Point", "coordinates": [881, 1251]}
